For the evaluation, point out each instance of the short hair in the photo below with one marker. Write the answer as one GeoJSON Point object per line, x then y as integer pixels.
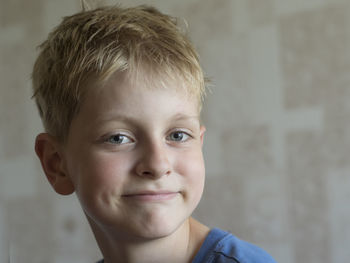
{"type": "Point", "coordinates": [92, 45]}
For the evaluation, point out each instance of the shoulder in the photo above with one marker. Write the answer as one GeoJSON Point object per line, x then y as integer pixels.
{"type": "Point", "coordinates": [230, 249]}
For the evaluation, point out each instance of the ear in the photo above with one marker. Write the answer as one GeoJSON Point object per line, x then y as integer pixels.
{"type": "Point", "coordinates": [48, 150]}
{"type": "Point", "coordinates": [201, 133]}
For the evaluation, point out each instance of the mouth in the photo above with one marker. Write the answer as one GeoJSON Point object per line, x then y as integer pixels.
{"type": "Point", "coordinates": [151, 196]}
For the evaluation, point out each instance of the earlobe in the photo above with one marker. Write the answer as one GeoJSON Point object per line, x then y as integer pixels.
{"type": "Point", "coordinates": [46, 148]}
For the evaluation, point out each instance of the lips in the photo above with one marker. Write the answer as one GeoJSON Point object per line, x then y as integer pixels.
{"type": "Point", "coordinates": [151, 195]}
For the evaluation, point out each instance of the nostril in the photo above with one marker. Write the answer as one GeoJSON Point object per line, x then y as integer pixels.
{"type": "Point", "coordinates": [154, 164]}
{"type": "Point", "coordinates": [154, 174]}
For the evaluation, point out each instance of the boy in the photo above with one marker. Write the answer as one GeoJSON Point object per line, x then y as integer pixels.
{"type": "Point", "coordinates": [119, 92]}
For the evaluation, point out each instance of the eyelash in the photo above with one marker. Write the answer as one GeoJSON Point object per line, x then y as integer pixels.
{"type": "Point", "coordinates": [108, 140]}
{"type": "Point", "coordinates": [184, 134]}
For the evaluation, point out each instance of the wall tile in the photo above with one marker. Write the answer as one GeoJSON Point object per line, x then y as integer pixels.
{"type": "Point", "coordinates": [4, 241]}
{"type": "Point", "coordinates": [11, 13]}
{"type": "Point", "coordinates": [17, 45]}
{"type": "Point", "coordinates": [265, 208]}
{"type": "Point", "coordinates": [308, 197]}
{"type": "Point", "coordinates": [337, 125]}
{"type": "Point", "coordinates": [30, 229]}
{"type": "Point", "coordinates": [17, 178]}
{"type": "Point", "coordinates": [54, 11]}
{"type": "Point", "coordinates": [205, 18]}
{"type": "Point", "coordinates": [213, 154]}
{"type": "Point", "coordinates": [314, 47]}
{"type": "Point", "coordinates": [222, 203]}
{"type": "Point", "coordinates": [247, 151]}
{"type": "Point", "coordinates": [261, 11]}
{"type": "Point", "coordinates": [230, 73]}
{"type": "Point", "coordinates": [282, 252]}
{"type": "Point", "coordinates": [338, 182]}
{"type": "Point", "coordinates": [285, 7]}
{"type": "Point", "coordinates": [74, 241]}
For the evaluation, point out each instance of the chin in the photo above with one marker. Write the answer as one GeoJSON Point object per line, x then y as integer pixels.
{"type": "Point", "coordinates": [160, 229]}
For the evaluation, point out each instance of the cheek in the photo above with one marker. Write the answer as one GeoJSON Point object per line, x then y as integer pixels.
{"type": "Point", "coordinates": [100, 179]}
{"type": "Point", "coordinates": [100, 172]}
{"type": "Point", "coordinates": [191, 169]}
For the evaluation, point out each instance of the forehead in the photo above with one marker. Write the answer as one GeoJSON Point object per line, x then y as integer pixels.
{"type": "Point", "coordinates": [150, 79]}
{"type": "Point", "coordinates": [125, 93]}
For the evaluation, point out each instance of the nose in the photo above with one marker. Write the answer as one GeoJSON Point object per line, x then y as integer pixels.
{"type": "Point", "coordinates": [154, 161]}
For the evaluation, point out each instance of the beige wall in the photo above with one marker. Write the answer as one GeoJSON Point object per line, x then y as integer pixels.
{"type": "Point", "coordinates": [277, 144]}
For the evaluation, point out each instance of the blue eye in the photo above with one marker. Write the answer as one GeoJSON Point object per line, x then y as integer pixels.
{"type": "Point", "coordinates": [179, 136]}
{"type": "Point", "coordinates": [119, 139]}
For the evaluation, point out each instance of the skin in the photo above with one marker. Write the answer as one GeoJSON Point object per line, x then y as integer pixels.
{"type": "Point", "coordinates": [133, 156]}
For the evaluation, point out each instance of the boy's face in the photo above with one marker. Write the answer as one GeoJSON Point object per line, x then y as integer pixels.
{"type": "Point", "coordinates": [134, 155]}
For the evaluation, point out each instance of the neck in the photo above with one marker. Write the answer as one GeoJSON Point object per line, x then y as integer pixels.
{"type": "Point", "coordinates": [179, 247]}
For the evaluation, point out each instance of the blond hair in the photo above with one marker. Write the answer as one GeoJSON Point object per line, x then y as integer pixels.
{"type": "Point", "coordinates": [92, 45]}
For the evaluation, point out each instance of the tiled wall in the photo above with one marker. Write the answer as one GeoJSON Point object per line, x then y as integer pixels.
{"type": "Point", "coordinates": [278, 129]}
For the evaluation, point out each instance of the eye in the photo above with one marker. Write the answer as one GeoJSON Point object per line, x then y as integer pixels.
{"type": "Point", "coordinates": [179, 136]}
{"type": "Point", "coordinates": [119, 139]}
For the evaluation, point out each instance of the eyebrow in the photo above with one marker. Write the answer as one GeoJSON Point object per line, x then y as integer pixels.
{"type": "Point", "coordinates": [132, 120]}
{"type": "Point", "coordinates": [116, 117]}
{"type": "Point", "coordinates": [180, 117]}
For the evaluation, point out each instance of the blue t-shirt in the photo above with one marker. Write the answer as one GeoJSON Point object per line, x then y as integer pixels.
{"type": "Point", "coordinates": [223, 247]}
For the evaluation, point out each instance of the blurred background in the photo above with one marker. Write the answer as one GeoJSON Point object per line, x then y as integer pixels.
{"type": "Point", "coordinates": [277, 145]}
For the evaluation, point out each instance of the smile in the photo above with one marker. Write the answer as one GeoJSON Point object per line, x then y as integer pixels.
{"type": "Point", "coordinates": [152, 196]}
